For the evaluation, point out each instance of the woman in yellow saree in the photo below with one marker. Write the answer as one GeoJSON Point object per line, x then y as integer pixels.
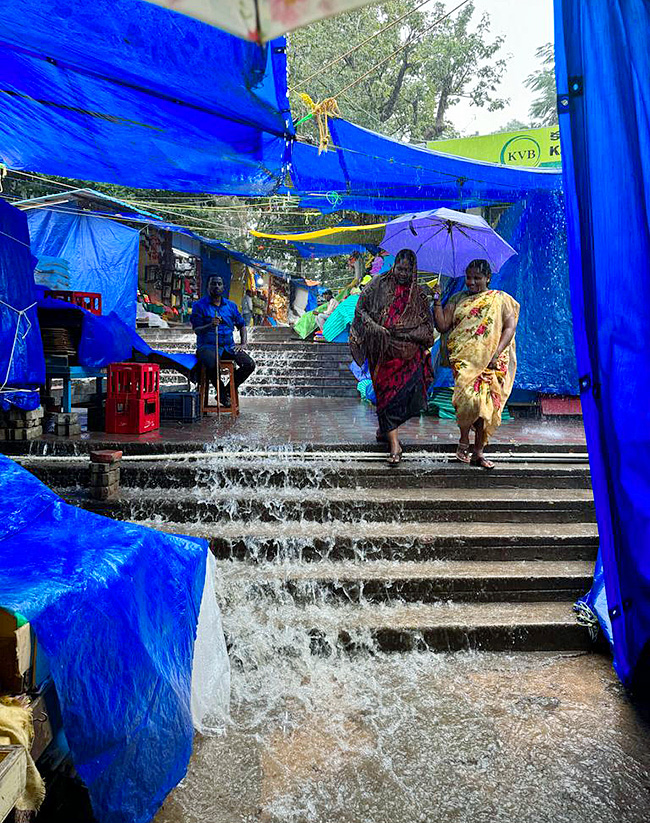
{"type": "Point", "coordinates": [481, 324]}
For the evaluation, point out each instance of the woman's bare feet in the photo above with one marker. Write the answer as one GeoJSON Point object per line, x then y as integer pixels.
{"type": "Point", "coordinates": [395, 448]}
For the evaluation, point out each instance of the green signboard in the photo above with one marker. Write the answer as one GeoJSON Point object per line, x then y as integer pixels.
{"type": "Point", "coordinates": [528, 147]}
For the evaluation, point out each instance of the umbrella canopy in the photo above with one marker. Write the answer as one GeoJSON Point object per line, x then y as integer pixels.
{"type": "Point", "coordinates": [445, 241]}
{"type": "Point", "coordinates": [260, 20]}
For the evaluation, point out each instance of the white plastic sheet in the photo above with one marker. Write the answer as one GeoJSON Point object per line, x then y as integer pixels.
{"type": "Point", "coordinates": [210, 698]}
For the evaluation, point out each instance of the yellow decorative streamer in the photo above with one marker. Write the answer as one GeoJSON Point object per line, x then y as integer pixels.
{"type": "Point", "coordinates": [321, 112]}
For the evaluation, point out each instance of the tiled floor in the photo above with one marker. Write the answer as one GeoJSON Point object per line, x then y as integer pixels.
{"type": "Point", "coordinates": [339, 421]}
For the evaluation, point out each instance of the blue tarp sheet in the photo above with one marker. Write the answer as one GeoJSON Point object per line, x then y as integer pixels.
{"type": "Point", "coordinates": [603, 76]}
{"type": "Point", "coordinates": [538, 278]}
{"type": "Point", "coordinates": [115, 609]}
{"type": "Point", "coordinates": [149, 98]}
{"type": "Point", "coordinates": [314, 251]}
{"type": "Point", "coordinates": [102, 253]}
{"type": "Point", "coordinates": [367, 172]}
{"type": "Point", "coordinates": [22, 365]}
{"type": "Point", "coordinates": [107, 339]}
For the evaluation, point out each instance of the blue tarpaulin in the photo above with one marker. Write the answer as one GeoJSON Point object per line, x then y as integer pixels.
{"type": "Point", "coordinates": [102, 253]}
{"type": "Point", "coordinates": [146, 98]}
{"type": "Point", "coordinates": [538, 278]}
{"type": "Point", "coordinates": [315, 251]}
{"type": "Point", "coordinates": [603, 77]}
{"type": "Point", "coordinates": [106, 339]}
{"type": "Point", "coordinates": [115, 609]}
{"type": "Point", "coordinates": [367, 172]}
{"type": "Point", "coordinates": [22, 364]}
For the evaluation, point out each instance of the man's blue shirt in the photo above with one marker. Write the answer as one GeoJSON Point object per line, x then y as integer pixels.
{"type": "Point", "coordinates": [204, 311]}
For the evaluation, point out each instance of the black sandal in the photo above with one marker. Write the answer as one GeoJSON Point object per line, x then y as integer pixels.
{"type": "Point", "coordinates": [395, 458]}
{"type": "Point", "coordinates": [463, 453]}
{"type": "Point", "coordinates": [482, 462]}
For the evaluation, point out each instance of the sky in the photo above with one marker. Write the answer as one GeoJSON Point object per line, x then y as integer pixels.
{"type": "Point", "coordinates": [525, 24]}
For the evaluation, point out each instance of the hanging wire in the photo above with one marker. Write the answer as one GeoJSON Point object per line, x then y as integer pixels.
{"type": "Point", "coordinates": [406, 45]}
{"type": "Point", "coordinates": [359, 45]}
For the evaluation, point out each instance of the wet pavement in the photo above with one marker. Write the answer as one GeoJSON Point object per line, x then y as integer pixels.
{"type": "Point", "coordinates": [328, 422]}
{"type": "Point", "coordinates": [327, 733]}
{"type": "Point", "coordinates": [466, 737]}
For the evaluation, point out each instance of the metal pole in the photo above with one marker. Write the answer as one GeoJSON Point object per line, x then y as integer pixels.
{"type": "Point", "coordinates": [218, 367]}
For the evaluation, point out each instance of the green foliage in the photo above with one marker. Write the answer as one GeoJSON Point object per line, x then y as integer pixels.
{"type": "Point", "coordinates": [410, 95]}
{"type": "Point", "coordinates": [514, 125]}
{"type": "Point", "coordinates": [543, 109]}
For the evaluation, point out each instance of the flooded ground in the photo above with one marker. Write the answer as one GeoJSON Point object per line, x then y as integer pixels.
{"type": "Point", "coordinates": [421, 737]}
{"type": "Point", "coordinates": [319, 734]}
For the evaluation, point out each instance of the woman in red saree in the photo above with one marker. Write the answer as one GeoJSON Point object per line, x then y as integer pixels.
{"type": "Point", "coordinates": [393, 330]}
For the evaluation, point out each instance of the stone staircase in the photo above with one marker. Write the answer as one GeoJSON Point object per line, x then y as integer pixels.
{"type": "Point", "coordinates": [286, 365]}
{"type": "Point", "coordinates": [432, 555]}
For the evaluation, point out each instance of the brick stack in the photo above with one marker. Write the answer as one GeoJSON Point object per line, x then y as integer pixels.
{"type": "Point", "coordinates": [18, 424]}
{"type": "Point", "coordinates": [105, 474]}
{"type": "Point", "coordinates": [66, 424]}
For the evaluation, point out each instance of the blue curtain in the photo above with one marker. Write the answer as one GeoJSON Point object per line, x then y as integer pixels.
{"type": "Point", "coordinates": [603, 77]}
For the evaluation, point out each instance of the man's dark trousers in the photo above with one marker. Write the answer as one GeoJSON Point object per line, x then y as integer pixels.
{"type": "Point", "coordinates": [244, 367]}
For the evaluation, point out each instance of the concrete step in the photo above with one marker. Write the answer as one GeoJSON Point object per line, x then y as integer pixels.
{"type": "Point", "coordinates": [216, 471]}
{"type": "Point", "coordinates": [264, 371]}
{"type": "Point", "coordinates": [303, 347]}
{"type": "Point", "coordinates": [346, 505]}
{"type": "Point", "coordinates": [440, 627]}
{"type": "Point", "coordinates": [298, 380]}
{"type": "Point", "coordinates": [298, 360]}
{"type": "Point", "coordinates": [383, 581]}
{"type": "Point", "coordinates": [283, 390]}
{"type": "Point", "coordinates": [406, 541]}
{"type": "Point", "coordinates": [186, 445]}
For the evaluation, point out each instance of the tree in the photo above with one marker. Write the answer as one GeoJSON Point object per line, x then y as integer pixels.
{"type": "Point", "coordinates": [430, 65]}
{"type": "Point", "coordinates": [514, 125]}
{"type": "Point", "coordinates": [543, 109]}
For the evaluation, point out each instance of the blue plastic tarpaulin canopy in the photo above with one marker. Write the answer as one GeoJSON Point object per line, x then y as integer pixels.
{"type": "Point", "coordinates": [115, 609]}
{"type": "Point", "coordinates": [22, 364]}
{"type": "Point", "coordinates": [603, 76]}
{"type": "Point", "coordinates": [538, 278]}
{"type": "Point", "coordinates": [367, 172]}
{"type": "Point", "coordinates": [102, 253]}
{"type": "Point", "coordinates": [134, 94]}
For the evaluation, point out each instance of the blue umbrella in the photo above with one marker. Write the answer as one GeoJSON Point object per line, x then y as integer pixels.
{"type": "Point", "coordinates": [445, 241]}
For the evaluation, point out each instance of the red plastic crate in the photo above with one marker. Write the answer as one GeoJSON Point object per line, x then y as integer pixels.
{"type": "Point", "coordinates": [132, 415]}
{"type": "Point", "coordinates": [560, 405]}
{"type": "Point", "coordinates": [89, 300]}
{"type": "Point", "coordinates": [133, 380]}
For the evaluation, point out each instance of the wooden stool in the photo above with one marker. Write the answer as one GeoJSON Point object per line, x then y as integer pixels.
{"type": "Point", "coordinates": [226, 367]}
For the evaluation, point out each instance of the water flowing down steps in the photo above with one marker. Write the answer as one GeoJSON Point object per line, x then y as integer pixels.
{"type": "Point", "coordinates": [286, 365]}
{"type": "Point", "coordinates": [333, 543]}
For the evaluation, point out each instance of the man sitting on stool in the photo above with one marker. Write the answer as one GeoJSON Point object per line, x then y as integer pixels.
{"type": "Point", "coordinates": [212, 315]}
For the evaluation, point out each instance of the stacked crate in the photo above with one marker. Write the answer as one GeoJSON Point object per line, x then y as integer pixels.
{"type": "Point", "coordinates": [133, 398]}
{"type": "Point", "coordinates": [18, 424]}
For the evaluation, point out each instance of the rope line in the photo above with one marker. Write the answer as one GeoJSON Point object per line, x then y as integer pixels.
{"type": "Point", "coordinates": [21, 314]}
{"type": "Point", "coordinates": [360, 45]}
{"type": "Point", "coordinates": [406, 45]}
